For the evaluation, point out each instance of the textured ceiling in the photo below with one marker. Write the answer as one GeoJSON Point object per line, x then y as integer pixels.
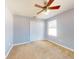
{"type": "Point", "coordinates": [27, 8]}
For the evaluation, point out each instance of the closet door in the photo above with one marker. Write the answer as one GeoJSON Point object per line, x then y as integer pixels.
{"type": "Point", "coordinates": [21, 29]}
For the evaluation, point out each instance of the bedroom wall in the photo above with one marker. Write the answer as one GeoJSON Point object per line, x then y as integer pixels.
{"type": "Point", "coordinates": [21, 29]}
{"type": "Point", "coordinates": [27, 29]}
{"type": "Point", "coordinates": [8, 30]}
{"type": "Point", "coordinates": [65, 29]}
{"type": "Point", "coordinates": [36, 30]}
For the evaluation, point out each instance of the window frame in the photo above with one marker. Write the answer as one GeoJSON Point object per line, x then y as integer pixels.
{"type": "Point", "coordinates": [51, 28]}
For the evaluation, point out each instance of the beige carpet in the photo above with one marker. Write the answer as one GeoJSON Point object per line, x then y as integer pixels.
{"type": "Point", "coordinates": [40, 50]}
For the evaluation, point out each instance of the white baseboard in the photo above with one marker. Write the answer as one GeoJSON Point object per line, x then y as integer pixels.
{"type": "Point", "coordinates": [8, 52]}
{"type": "Point", "coordinates": [26, 42]}
{"type": "Point", "coordinates": [22, 43]}
{"type": "Point", "coordinates": [62, 45]}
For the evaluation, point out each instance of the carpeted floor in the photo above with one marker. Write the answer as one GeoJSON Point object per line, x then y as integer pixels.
{"type": "Point", "coordinates": [40, 50]}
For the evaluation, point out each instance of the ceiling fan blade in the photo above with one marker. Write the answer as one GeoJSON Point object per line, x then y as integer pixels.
{"type": "Point", "coordinates": [50, 2]}
{"type": "Point", "coordinates": [40, 11]}
{"type": "Point", "coordinates": [45, 3]}
{"type": "Point", "coordinates": [54, 7]}
{"type": "Point", "coordinates": [38, 6]}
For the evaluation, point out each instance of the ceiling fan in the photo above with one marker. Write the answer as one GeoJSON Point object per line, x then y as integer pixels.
{"type": "Point", "coordinates": [47, 6]}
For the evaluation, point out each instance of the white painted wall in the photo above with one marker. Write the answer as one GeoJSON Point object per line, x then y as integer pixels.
{"type": "Point", "coordinates": [27, 29]}
{"type": "Point", "coordinates": [36, 30]}
{"type": "Point", "coordinates": [8, 30]}
{"type": "Point", "coordinates": [65, 29]}
{"type": "Point", "coordinates": [21, 29]}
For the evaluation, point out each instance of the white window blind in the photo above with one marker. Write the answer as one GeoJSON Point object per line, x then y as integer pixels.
{"type": "Point", "coordinates": [52, 28]}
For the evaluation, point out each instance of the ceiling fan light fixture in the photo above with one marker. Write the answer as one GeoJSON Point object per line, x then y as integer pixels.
{"type": "Point", "coordinates": [47, 6]}
{"type": "Point", "coordinates": [46, 12]}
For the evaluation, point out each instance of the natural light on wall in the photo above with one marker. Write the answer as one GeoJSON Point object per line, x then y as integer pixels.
{"type": "Point", "coordinates": [52, 28]}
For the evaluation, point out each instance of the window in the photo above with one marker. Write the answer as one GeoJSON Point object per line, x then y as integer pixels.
{"type": "Point", "coordinates": [52, 28]}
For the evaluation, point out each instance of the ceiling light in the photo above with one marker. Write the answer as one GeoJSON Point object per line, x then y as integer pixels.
{"type": "Point", "coordinates": [46, 12]}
